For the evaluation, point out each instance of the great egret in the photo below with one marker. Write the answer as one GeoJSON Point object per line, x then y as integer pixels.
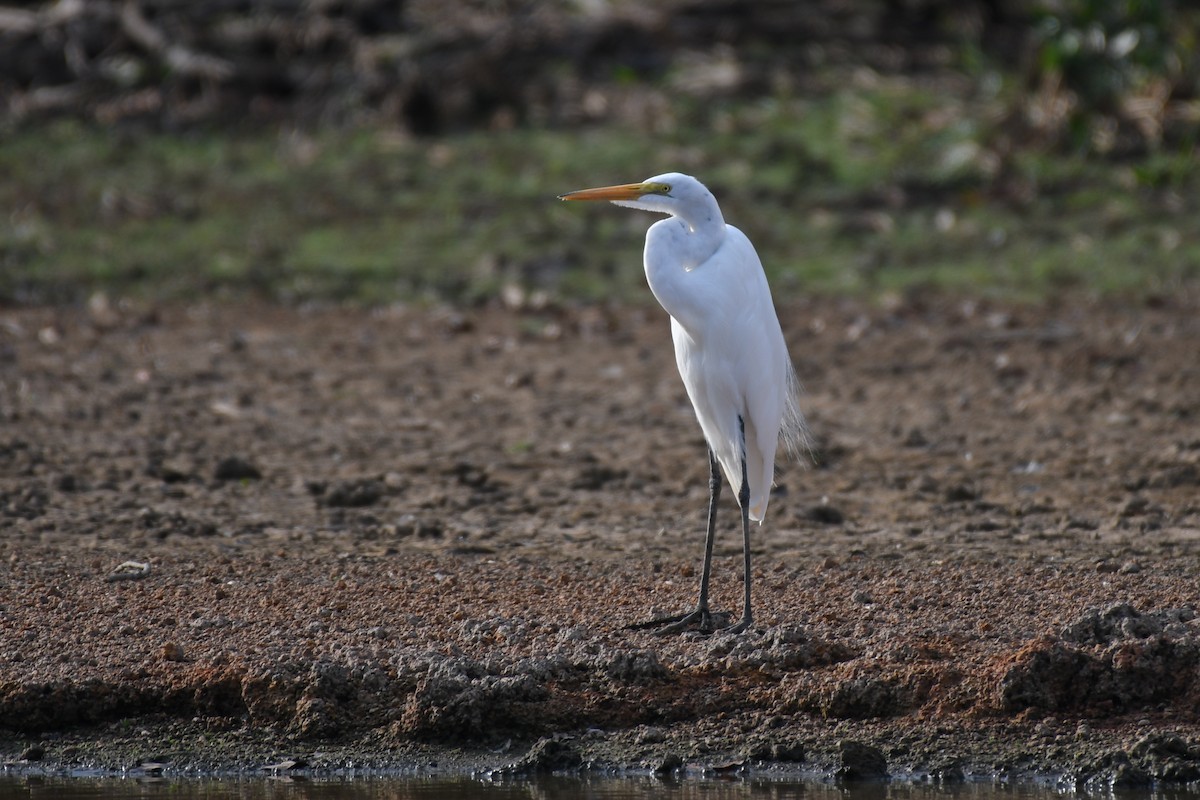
{"type": "Point", "coordinates": [730, 352]}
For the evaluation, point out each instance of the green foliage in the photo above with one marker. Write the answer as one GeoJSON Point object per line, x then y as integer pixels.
{"type": "Point", "coordinates": [882, 188]}
{"type": "Point", "coordinates": [1125, 61]}
{"type": "Point", "coordinates": [1105, 48]}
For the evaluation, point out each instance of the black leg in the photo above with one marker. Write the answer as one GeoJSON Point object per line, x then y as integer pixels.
{"type": "Point", "coordinates": [714, 494]}
{"type": "Point", "coordinates": [744, 502]}
{"type": "Point", "coordinates": [680, 622]}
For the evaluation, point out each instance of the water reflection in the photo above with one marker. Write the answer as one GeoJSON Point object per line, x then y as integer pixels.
{"type": "Point", "coordinates": [441, 788]}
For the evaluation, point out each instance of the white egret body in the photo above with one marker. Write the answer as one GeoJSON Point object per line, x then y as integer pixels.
{"type": "Point", "coordinates": [729, 349]}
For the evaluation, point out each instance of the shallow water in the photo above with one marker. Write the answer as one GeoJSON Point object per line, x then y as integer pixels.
{"type": "Point", "coordinates": [549, 788]}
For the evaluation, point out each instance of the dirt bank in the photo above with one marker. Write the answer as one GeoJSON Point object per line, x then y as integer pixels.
{"type": "Point", "coordinates": [404, 536]}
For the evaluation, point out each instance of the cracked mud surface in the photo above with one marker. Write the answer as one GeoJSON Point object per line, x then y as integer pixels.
{"type": "Point", "coordinates": [402, 536]}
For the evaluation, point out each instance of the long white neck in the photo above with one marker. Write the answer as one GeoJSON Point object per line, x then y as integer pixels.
{"type": "Point", "coordinates": [674, 248]}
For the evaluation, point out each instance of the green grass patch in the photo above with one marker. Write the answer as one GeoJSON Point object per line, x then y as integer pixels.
{"type": "Point", "coordinates": [883, 189]}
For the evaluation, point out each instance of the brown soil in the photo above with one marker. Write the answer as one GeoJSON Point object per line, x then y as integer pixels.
{"type": "Point", "coordinates": [393, 536]}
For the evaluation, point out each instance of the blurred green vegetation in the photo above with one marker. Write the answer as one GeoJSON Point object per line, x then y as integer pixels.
{"type": "Point", "coordinates": [1124, 74]}
{"type": "Point", "coordinates": [865, 191]}
{"type": "Point", "coordinates": [1073, 170]}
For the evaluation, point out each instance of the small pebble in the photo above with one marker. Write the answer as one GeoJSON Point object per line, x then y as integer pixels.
{"type": "Point", "coordinates": [171, 651]}
{"type": "Point", "coordinates": [32, 753]}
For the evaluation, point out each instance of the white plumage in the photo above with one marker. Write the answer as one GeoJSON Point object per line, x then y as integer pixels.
{"type": "Point", "coordinates": [729, 346]}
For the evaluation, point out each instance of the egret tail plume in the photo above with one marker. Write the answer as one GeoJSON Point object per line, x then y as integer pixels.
{"type": "Point", "coordinates": [793, 432]}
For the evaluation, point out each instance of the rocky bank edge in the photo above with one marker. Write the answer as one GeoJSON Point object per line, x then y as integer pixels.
{"type": "Point", "coordinates": [496, 665]}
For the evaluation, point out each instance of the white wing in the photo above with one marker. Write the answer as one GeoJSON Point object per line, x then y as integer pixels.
{"type": "Point", "coordinates": [734, 363]}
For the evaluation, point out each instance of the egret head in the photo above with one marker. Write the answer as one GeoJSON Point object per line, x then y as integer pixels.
{"type": "Point", "coordinates": [670, 193]}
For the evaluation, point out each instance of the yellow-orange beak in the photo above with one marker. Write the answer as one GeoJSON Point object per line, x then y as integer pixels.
{"type": "Point", "coordinates": [626, 191]}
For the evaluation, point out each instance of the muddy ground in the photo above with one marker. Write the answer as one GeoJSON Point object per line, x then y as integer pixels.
{"type": "Point", "coordinates": [406, 536]}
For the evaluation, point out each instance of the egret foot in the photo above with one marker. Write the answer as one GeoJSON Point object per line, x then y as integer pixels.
{"type": "Point", "coordinates": [701, 620]}
{"type": "Point", "coordinates": [684, 622]}
{"type": "Point", "coordinates": [739, 627]}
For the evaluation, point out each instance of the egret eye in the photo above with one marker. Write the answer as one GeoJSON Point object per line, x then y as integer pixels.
{"type": "Point", "coordinates": [664, 188]}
